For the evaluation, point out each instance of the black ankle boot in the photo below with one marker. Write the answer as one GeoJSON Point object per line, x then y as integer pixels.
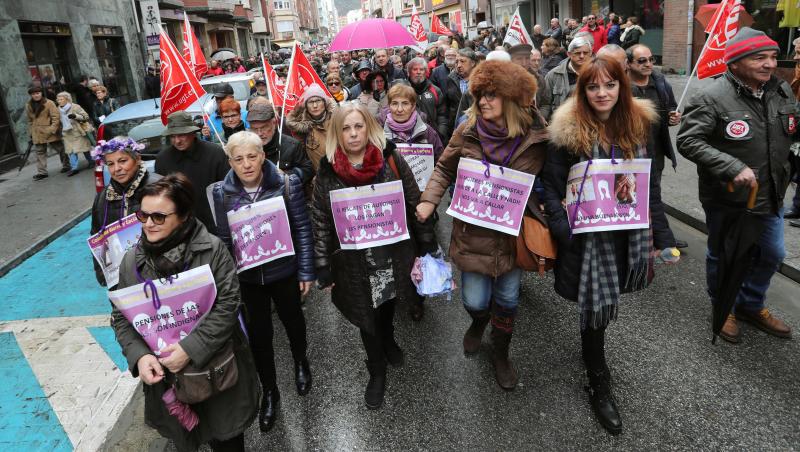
{"type": "Point", "coordinates": [602, 401]}
{"type": "Point", "coordinates": [373, 395]}
{"type": "Point", "coordinates": [302, 376]}
{"type": "Point", "coordinates": [394, 354]}
{"type": "Point", "coordinates": [270, 403]}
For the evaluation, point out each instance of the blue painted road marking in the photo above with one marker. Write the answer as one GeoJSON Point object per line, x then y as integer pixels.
{"type": "Point", "coordinates": [104, 335]}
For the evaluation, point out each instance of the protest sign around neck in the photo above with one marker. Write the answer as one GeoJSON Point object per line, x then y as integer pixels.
{"type": "Point", "coordinates": [109, 245]}
{"type": "Point", "coordinates": [609, 195]}
{"type": "Point", "coordinates": [420, 159]}
{"type": "Point", "coordinates": [495, 202]}
{"type": "Point", "coordinates": [181, 303]}
{"type": "Point", "coordinates": [260, 233]}
{"type": "Point", "coordinates": [369, 216]}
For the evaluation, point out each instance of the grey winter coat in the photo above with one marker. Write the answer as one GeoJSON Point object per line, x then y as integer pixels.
{"type": "Point", "coordinates": [726, 129]}
{"type": "Point", "coordinates": [558, 83]}
{"type": "Point", "coordinates": [229, 413]}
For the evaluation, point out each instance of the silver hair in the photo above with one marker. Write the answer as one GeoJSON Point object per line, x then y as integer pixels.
{"type": "Point", "coordinates": [579, 41]}
{"type": "Point", "coordinates": [415, 61]}
{"type": "Point", "coordinates": [66, 95]}
{"type": "Point", "coordinates": [243, 139]}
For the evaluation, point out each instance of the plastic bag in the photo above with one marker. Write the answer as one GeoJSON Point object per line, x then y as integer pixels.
{"type": "Point", "coordinates": [432, 276]}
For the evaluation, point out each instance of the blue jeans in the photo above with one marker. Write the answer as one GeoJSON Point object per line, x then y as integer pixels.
{"type": "Point", "coordinates": [73, 160]}
{"type": "Point", "coordinates": [770, 255]}
{"type": "Point", "coordinates": [477, 290]}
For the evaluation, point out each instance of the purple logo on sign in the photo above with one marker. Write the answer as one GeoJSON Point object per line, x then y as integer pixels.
{"type": "Point", "coordinates": [496, 202]}
{"type": "Point", "coordinates": [260, 233]}
{"type": "Point", "coordinates": [369, 216]}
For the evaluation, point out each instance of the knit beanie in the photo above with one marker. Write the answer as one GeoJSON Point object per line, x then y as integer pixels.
{"type": "Point", "coordinates": [313, 90]}
{"type": "Point", "coordinates": [747, 42]}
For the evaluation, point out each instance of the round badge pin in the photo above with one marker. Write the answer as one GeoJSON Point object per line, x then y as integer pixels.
{"type": "Point", "coordinates": [737, 129]}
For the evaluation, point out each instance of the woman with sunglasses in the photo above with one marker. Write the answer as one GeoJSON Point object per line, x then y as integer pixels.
{"type": "Point", "coordinates": [504, 129]}
{"type": "Point", "coordinates": [121, 197]}
{"type": "Point", "coordinates": [602, 120]}
{"type": "Point", "coordinates": [174, 241]}
{"type": "Point", "coordinates": [337, 89]}
{"type": "Point", "coordinates": [233, 119]}
{"type": "Point", "coordinates": [284, 281]}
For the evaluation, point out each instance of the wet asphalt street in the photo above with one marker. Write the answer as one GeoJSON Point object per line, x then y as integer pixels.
{"type": "Point", "coordinates": [675, 390]}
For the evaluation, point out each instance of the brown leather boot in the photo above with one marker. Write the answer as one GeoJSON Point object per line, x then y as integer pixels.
{"type": "Point", "coordinates": [766, 322]}
{"type": "Point", "coordinates": [504, 371]}
{"type": "Point", "coordinates": [730, 330]}
{"type": "Point", "coordinates": [474, 334]}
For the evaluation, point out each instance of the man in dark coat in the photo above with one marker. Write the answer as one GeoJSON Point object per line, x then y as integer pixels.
{"type": "Point", "coordinates": [439, 73]}
{"type": "Point", "coordinates": [430, 99]}
{"type": "Point", "coordinates": [84, 96]}
{"type": "Point", "coordinates": [457, 92]}
{"type": "Point", "coordinates": [152, 84]}
{"type": "Point", "coordinates": [293, 158]}
{"type": "Point", "coordinates": [554, 31]}
{"type": "Point", "coordinates": [739, 130]}
{"type": "Point", "coordinates": [381, 61]}
{"type": "Point", "coordinates": [201, 161]}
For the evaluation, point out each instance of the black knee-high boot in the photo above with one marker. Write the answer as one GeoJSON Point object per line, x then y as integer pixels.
{"type": "Point", "coordinates": [392, 351]}
{"type": "Point", "coordinates": [376, 365]}
{"type": "Point", "coordinates": [600, 396]}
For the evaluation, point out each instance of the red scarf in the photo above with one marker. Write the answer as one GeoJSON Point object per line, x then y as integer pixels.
{"type": "Point", "coordinates": [355, 177]}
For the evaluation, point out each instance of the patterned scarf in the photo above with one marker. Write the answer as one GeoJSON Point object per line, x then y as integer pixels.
{"type": "Point", "coordinates": [599, 288]}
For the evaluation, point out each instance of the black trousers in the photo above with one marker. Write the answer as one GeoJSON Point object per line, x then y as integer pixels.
{"type": "Point", "coordinates": [235, 444]}
{"type": "Point", "coordinates": [375, 344]}
{"type": "Point", "coordinates": [593, 348]}
{"type": "Point", "coordinates": [257, 301]}
{"type": "Point", "coordinates": [662, 234]}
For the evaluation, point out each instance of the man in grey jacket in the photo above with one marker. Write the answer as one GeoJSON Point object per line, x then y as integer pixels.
{"type": "Point", "coordinates": [562, 79]}
{"type": "Point", "coordinates": [739, 130]}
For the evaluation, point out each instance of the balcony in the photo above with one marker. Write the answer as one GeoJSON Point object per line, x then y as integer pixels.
{"type": "Point", "coordinates": [260, 25]}
{"type": "Point", "coordinates": [220, 9]}
{"type": "Point", "coordinates": [195, 6]}
{"type": "Point", "coordinates": [242, 14]}
{"type": "Point", "coordinates": [171, 4]}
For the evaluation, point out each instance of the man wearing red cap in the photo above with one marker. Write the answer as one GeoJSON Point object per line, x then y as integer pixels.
{"type": "Point", "coordinates": [739, 129]}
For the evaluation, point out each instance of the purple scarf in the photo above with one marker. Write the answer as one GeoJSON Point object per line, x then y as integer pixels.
{"type": "Point", "coordinates": [402, 130]}
{"type": "Point", "coordinates": [498, 148]}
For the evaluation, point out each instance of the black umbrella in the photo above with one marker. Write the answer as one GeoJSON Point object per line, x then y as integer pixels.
{"type": "Point", "coordinates": [24, 158]}
{"type": "Point", "coordinates": [736, 248]}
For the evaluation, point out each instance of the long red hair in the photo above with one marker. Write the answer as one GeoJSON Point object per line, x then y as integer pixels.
{"type": "Point", "coordinates": [629, 124]}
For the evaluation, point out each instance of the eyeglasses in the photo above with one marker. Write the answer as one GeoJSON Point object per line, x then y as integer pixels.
{"type": "Point", "coordinates": [233, 116]}
{"type": "Point", "coordinates": [157, 217]}
{"type": "Point", "coordinates": [489, 96]}
{"type": "Point", "coordinates": [315, 101]}
{"type": "Point", "coordinates": [644, 60]}
{"type": "Point", "coordinates": [334, 84]}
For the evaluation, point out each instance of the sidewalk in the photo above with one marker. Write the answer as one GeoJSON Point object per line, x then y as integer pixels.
{"type": "Point", "coordinates": [679, 190]}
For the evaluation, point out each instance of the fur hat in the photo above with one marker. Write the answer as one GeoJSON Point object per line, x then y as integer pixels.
{"type": "Point", "coordinates": [747, 42]}
{"type": "Point", "coordinates": [505, 79]}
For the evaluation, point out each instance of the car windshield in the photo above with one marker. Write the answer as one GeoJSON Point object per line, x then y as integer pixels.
{"type": "Point", "coordinates": [241, 88]}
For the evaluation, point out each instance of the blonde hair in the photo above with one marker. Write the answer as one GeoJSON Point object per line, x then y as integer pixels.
{"type": "Point", "coordinates": [518, 118]}
{"type": "Point", "coordinates": [243, 139]}
{"type": "Point", "coordinates": [375, 134]}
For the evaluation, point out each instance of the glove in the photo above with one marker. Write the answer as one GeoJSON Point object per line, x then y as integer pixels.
{"type": "Point", "coordinates": [427, 246]}
{"type": "Point", "coordinates": [324, 277]}
{"type": "Point", "coordinates": [71, 116]}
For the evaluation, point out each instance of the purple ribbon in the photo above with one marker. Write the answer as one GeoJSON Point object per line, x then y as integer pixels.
{"type": "Point", "coordinates": [105, 213]}
{"type": "Point", "coordinates": [505, 160]}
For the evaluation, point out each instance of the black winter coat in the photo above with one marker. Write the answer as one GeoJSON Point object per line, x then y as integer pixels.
{"type": "Point", "coordinates": [352, 293]}
{"type": "Point", "coordinates": [432, 102]}
{"type": "Point", "coordinates": [229, 194]}
{"type": "Point", "coordinates": [439, 76]}
{"type": "Point", "coordinates": [294, 159]}
{"type": "Point", "coordinates": [116, 202]}
{"type": "Point", "coordinates": [456, 102]}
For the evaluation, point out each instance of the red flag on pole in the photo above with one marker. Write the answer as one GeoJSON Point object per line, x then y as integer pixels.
{"type": "Point", "coordinates": [417, 30]}
{"type": "Point", "coordinates": [179, 86]}
{"type": "Point", "coordinates": [301, 75]}
{"type": "Point", "coordinates": [275, 85]}
{"type": "Point", "coordinates": [723, 26]}
{"type": "Point", "coordinates": [437, 26]}
{"type": "Point", "coordinates": [191, 49]}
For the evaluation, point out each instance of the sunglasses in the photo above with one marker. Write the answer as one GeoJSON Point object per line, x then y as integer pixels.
{"type": "Point", "coordinates": [334, 84]}
{"type": "Point", "coordinates": [643, 60]}
{"type": "Point", "coordinates": [157, 217]}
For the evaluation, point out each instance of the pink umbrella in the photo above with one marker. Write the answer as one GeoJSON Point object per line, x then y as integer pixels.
{"type": "Point", "coordinates": [372, 34]}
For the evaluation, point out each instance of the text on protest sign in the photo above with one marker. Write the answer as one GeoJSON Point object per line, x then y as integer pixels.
{"type": "Point", "coordinates": [615, 196]}
{"type": "Point", "coordinates": [185, 299]}
{"type": "Point", "coordinates": [495, 202]}
{"type": "Point", "coordinates": [260, 233]}
{"type": "Point", "coordinates": [369, 216]}
{"type": "Point", "coordinates": [110, 245]}
{"type": "Point", "coordinates": [420, 158]}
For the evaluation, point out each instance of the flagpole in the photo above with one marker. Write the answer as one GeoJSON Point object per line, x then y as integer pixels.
{"type": "Point", "coordinates": [286, 91]}
{"type": "Point", "coordinates": [702, 52]}
{"type": "Point", "coordinates": [268, 80]}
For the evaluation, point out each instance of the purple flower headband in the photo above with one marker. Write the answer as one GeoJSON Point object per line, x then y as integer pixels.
{"type": "Point", "coordinates": [115, 144]}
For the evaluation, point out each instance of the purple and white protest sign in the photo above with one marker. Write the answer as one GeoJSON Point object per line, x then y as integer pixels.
{"type": "Point", "coordinates": [260, 233]}
{"type": "Point", "coordinates": [613, 196]}
{"type": "Point", "coordinates": [420, 158]}
{"type": "Point", "coordinates": [184, 300]}
{"type": "Point", "coordinates": [369, 216]}
{"type": "Point", "coordinates": [110, 245]}
{"type": "Point", "coordinates": [496, 202]}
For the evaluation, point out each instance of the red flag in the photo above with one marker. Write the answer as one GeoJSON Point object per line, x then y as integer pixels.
{"type": "Point", "coordinates": [723, 26]}
{"type": "Point", "coordinates": [191, 49]}
{"type": "Point", "coordinates": [417, 30]}
{"type": "Point", "coordinates": [179, 86]}
{"type": "Point", "coordinates": [437, 26]}
{"type": "Point", "coordinates": [301, 76]}
{"type": "Point", "coordinates": [275, 85]}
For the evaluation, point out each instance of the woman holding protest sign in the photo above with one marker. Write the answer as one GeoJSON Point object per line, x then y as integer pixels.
{"type": "Point", "coordinates": [202, 387]}
{"type": "Point", "coordinates": [122, 196]}
{"type": "Point", "coordinates": [256, 201]}
{"type": "Point", "coordinates": [502, 129]}
{"type": "Point", "coordinates": [602, 121]}
{"type": "Point", "coordinates": [365, 236]}
{"type": "Point", "coordinates": [412, 136]}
